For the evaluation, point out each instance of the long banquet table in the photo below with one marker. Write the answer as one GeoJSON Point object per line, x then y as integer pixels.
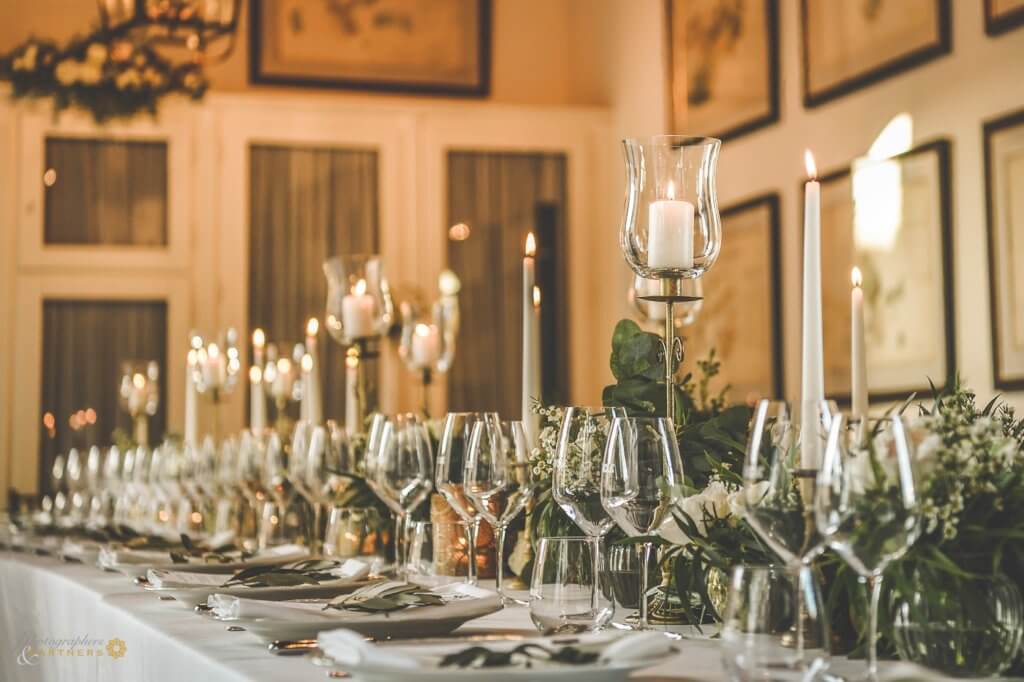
{"type": "Point", "coordinates": [45, 599]}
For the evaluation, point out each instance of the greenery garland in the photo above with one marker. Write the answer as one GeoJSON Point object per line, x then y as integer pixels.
{"type": "Point", "coordinates": [106, 74]}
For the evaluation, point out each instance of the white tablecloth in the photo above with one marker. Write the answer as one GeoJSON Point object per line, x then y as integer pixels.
{"type": "Point", "coordinates": [44, 599]}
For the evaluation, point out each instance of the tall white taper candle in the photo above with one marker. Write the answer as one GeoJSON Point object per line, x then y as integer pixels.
{"type": "Point", "coordinates": [812, 366]}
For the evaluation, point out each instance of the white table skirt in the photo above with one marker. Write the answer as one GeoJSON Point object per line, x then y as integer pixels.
{"type": "Point", "coordinates": [42, 598]}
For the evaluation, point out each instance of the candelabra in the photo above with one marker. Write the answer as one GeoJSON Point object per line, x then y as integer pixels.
{"type": "Point", "coordinates": [358, 312]}
{"type": "Point", "coordinates": [671, 228]}
{"type": "Point", "coordinates": [140, 395]}
{"type": "Point", "coordinates": [428, 343]}
{"type": "Point", "coordinates": [215, 369]}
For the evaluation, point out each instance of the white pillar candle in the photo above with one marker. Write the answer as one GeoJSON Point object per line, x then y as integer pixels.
{"type": "Point", "coordinates": [670, 233]}
{"type": "Point", "coordinates": [257, 402]}
{"type": "Point", "coordinates": [352, 425]}
{"type": "Point", "coordinates": [531, 390]}
{"type": "Point", "coordinates": [813, 373]}
{"type": "Point", "coordinates": [357, 312]}
{"type": "Point", "coordinates": [191, 408]}
{"type": "Point", "coordinates": [283, 380]}
{"type": "Point", "coordinates": [257, 397]}
{"type": "Point", "coordinates": [426, 346]}
{"type": "Point", "coordinates": [858, 351]}
{"type": "Point", "coordinates": [314, 410]}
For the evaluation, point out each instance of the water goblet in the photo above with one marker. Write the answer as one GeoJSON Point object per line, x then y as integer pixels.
{"type": "Point", "coordinates": [404, 471]}
{"type": "Point", "coordinates": [640, 483]}
{"type": "Point", "coordinates": [866, 504]}
{"type": "Point", "coordinates": [499, 480]}
{"type": "Point", "coordinates": [450, 472]}
{"type": "Point", "coordinates": [567, 594]}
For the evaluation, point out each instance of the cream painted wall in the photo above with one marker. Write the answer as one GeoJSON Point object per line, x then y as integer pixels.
{"type": "Point", "coordinates": [531, 47]}
{"type": "Point", "coordinates": [949, 97]}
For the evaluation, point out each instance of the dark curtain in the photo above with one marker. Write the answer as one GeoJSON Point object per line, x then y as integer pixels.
{"type": "Point", "coordinates": [105, 192]}
{"type": "Point", "coordinates": [307, 205]}
{"type": "Point", "coordinates": [502, 196]}
{"type": "Point", "coordinates": [84, 346]}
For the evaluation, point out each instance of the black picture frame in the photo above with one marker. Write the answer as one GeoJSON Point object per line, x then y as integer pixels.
{"type": "Point", "coordinates": [989, 129]}
{"type": "Point", "coordinates": [881, 72]}
{"type": "Point", "coordinates": [482, 88]}
{"type": "Point", "coordinates": [943, 150]}
{"type": "Point", "coordinates": [754, 124]}
{"type": "Point", "coordinates": [773, 202]}
{"type": "Point", "coordinates": [995, 26]}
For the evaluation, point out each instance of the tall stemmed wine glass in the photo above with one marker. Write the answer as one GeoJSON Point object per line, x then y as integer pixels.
{"type": "Point", "coordinates": [866, 504]}
{"type": "Point", "coordinates": [779, 479]}
{"type": "Point", "coordinates": [403, 470]}
{"type": "Point", "coordinates": [499, 480]}
{"type": "Point", "coordinates": [450, 471]}
{"type": "Point", "coordinates": [640, 482]}
{"type": "Point", "coordinates": [328, 474]}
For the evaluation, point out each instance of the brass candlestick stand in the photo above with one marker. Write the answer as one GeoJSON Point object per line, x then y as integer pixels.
{"type": "Point", "coordinates": [671, 293]}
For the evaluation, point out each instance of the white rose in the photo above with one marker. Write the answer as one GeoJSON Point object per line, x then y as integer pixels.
{"type": "Point", "coordinates": [96, 54]}
{"type": "Point", "coordinates": [671, 531]}
{"type": "Point", "coordinates": [716, 499]}
{"type": "Point", "coordinates": [90, 73]}
{"type": "Point", "coordinates": [67, 71]}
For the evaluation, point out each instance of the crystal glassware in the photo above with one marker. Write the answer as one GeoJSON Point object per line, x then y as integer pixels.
{"type": "Point", "coordinates": [779, 481]}
{"type": "Point", "coordinates": [403, 470]}
{"type": "Point", "coordinates": [641, 481]}
{"type": "Point", "coordinates": [352, 532]}
{"type": "Point", "coordinates": [760, 616]}
{"type": "Point", "coordinates": [866, 502]}
{"type": "Point", "coordinates": [651, 311]}
{"type": "Point", "coordinates": [567, 593]}
{"type": "Point", "coordinates": [499, 480]}
{"type": "Point", "coordinates": [450, 472]}
{"type": "Point", "coordinates": [329, 468]}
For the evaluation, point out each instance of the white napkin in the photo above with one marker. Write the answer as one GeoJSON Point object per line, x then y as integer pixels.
{"type": "Point", "coordinates": [231, 607]}
{"type": "Point", "coordinates": [352, 569]}
{"type": "Point", "coordinates": [113, 557]}
{"type": "Point", "coordinates": [351, 650]}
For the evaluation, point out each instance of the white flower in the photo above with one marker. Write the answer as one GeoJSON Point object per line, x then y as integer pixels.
{"type": "Point", "coordinates": [27, 60]}
{"type": "Point", "coordinates": [90, 73]}
{"type": "Point", "coordinates": [67, 71]}
{"type": "Point", "coordinates": [96, 54]}
{"type": "Point", "coordinates": [128, 79]}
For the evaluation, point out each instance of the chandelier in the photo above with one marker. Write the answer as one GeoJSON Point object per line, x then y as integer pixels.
{"type": "Point", "coordinates": [196, 25]}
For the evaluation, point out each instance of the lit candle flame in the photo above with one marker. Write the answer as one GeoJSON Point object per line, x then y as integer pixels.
{"type": "Point", "coordinates": [255, 375]}
{"type": "Point", "coordinates": [812, 168]}
{"type": "Point", "coordinates": [193, 358]}
{"type": "Point", "coordinates": [139, 381]}
{"type": "Point", "coordinates": [422, 330]}
{"type": "Point", "coordinates": [312, 327]}
{"type": "Point", "coordinates": [352, 358]}
{"type": "Point", "coordinates": [671, 191]}
{"type": "Point", "coordinates": [531, 246]}
{"type": "Point", "coordinates": [284, 365]}
{"type": "Point", "coordinates": [360, 288]}
{"type": "Point", "coordinates": [536, 297]}
{"type": "Point", "coordinates": [855, 277]}
{"type": "Point", "coordinates": [307, 363]}
{"type": "Point", "coordinates": [212, 351]}
{"type": "Point", "coordinates": [259, 339]}
{"type": "Point", "coordinates": [197, 341]}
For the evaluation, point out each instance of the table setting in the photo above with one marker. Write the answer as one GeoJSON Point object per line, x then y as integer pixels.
{"type": "Point", "coordinates": [657, 534]}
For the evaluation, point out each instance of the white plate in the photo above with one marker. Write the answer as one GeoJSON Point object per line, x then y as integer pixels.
{"type": "Point", "coordinates": [191, 597]}
{"type": "Point", "coordinates": [161, 562]}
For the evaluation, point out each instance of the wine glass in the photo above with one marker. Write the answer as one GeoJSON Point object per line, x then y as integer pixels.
{"type": "Point", "coordinates": [761, 613]}
{"type": "Point", "coordinates": [866, 504]}
{"type": "Point", "coordinates": [403, 470]}
{"type": "Point", "coordinates": [499, 479]}
{"type": "Point", "coordinates": [328, 473]}
{"type": "Point", "coordinates": [779, 479]}
{"type": "Point", "coordinates": [576, 481]}
{"type": "Point", "coordinates": [449, 474]}
{"type": "Point", "coordinates": [640, 482]}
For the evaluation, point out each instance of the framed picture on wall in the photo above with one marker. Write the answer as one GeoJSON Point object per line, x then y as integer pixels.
{"type": "Point", "coordinates": [892, 220]}
{"type": "Point", "coordinates": [1004, 192]}
{"type": "Point", "coordinates": [850, 45]}
{"type": "Point", "coordinates": [416, 46]}
{"type": "Point", "coordinates": [723, 65]}
{"type": "Point", "coordinates": [741, 315]}
{"type": "Point", "coordinates": [1003, 15]}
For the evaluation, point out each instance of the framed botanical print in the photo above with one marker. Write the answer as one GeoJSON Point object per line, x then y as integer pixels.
{"type": "Point", "coordinates": [892, 220]}
{"type": "Point", "coordinates": [1003, 15]}
{"type": "Point", "coordinates": [1004, 192]}
{"type": "Point", "coordinates": [723, 65]}
{"type": "Point", "coordinates": [741, 315]}
{"type": "Point", "coordinates": [417, 46]}
{"type": "Point", "coordinates": [849, 45]}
